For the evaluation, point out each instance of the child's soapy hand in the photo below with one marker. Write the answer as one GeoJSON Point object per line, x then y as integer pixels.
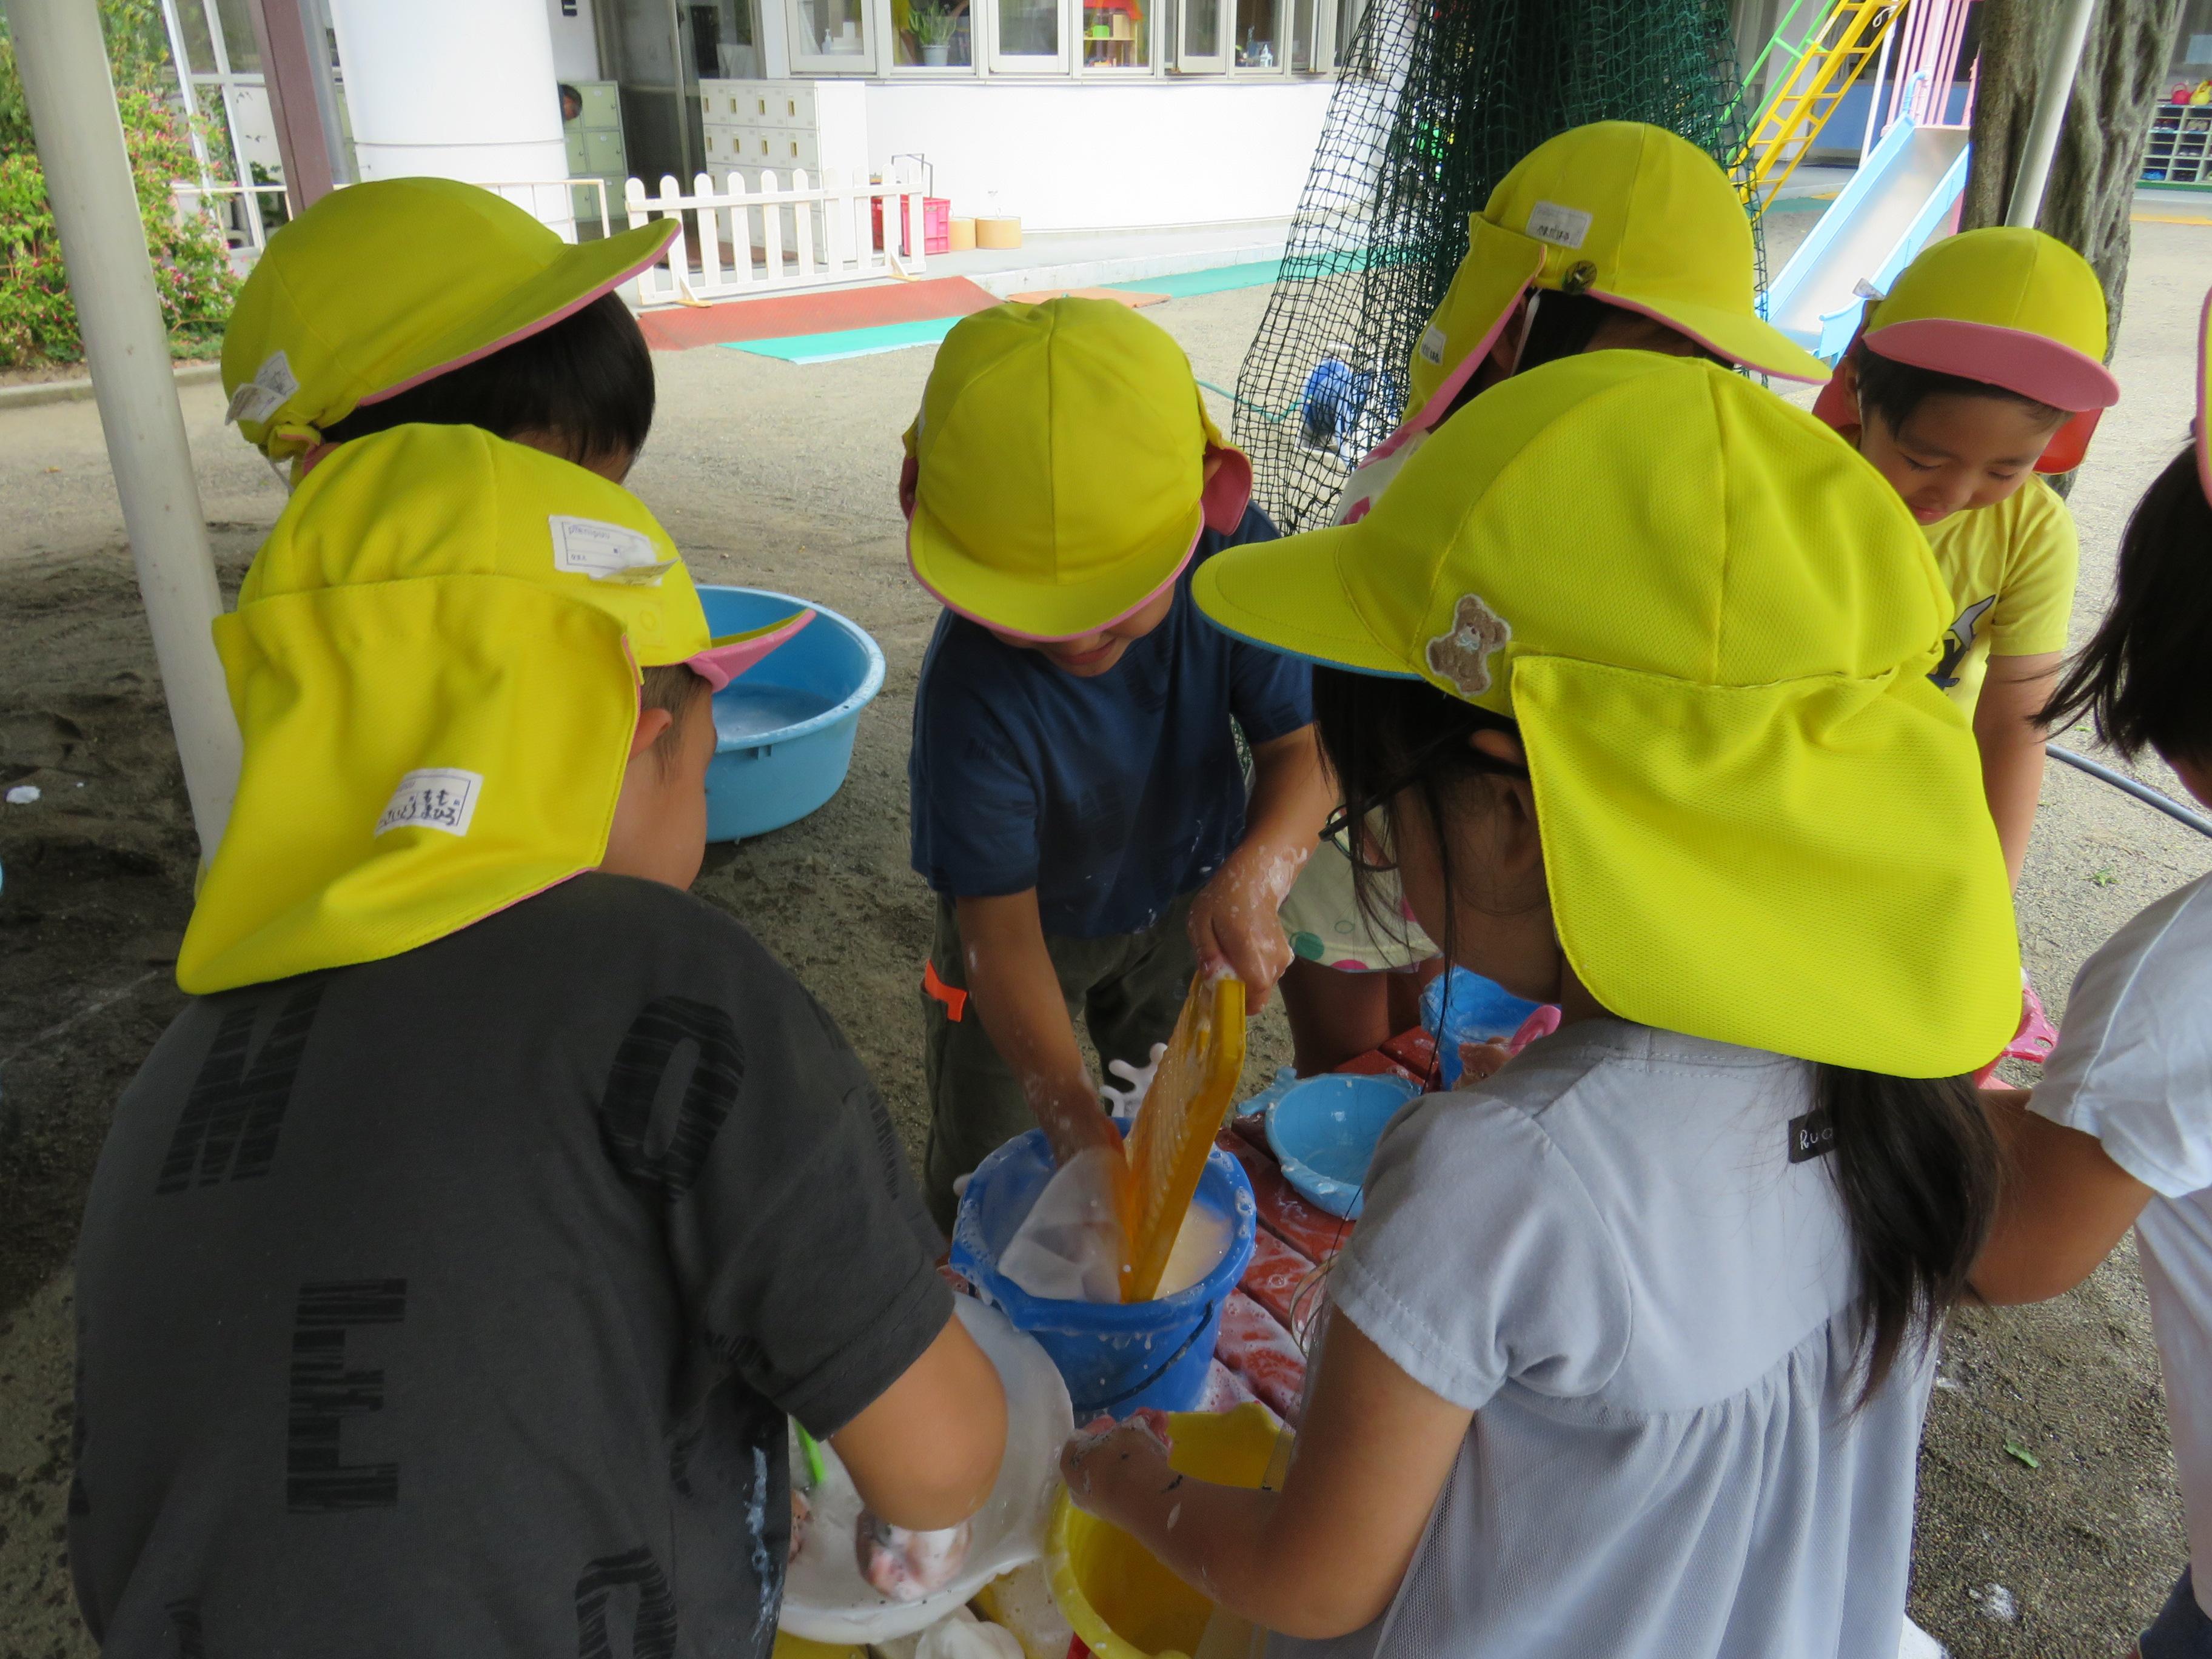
{"type": "Point", "coordinates": [1233, 925]}
{"type": "Point", "coordinates": [905, 1565]}
{"type": "Point", "coordinates": [1072, 1117]}
{"type": "Point", "coordinates": [1104, 1458]}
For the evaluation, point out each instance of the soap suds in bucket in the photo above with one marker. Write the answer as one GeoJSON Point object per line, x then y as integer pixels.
{"type": "Point", "coordinates": [1068, 1248]}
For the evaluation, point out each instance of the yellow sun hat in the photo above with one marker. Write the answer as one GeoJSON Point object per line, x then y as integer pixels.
{"type": "Point", "coordinates": [381, 286]}
{"type": "Point", "coordinates": [1761, 822]}
{"type": "Point", "coordinates": [2006, 306]}
{"type": "Point", "coordinates": [1056, 478]}
{"type": "Point", "coordinates": [1628, 214]}
{"type": "Point", "coordinates": [435, 664]}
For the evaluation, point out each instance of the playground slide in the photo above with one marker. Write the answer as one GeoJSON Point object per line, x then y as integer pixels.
{"type": "Point", "coordinates": [1890, 210]}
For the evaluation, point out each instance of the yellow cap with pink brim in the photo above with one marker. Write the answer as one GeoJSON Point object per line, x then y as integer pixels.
{"type": "Point", "coordinates": [383, 285]}
{"type": "Point", "coordinates": [2006, 306]}
{"type": "Point", "coordinates": [1629, 213]}
{"type": "Point", "coordinates": [1062, 468]}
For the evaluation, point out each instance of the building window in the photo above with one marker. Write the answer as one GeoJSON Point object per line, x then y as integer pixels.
{"type": "Point", "coordinates": [831, 35]}
{"type": "Point", "coordinates": [1257, 44]}
{"type": "Point", "coordinates": [933, 34]}
{"type": "Point", "coordinates": [1308, 50]}
{"type": "Point", "coordinates": [1088, 38]}
{"type": "Point", "coordinates": [1030, 35]}
{"type": "Point", "coordinates": [1117, 34]}
{"type": "Point", "coordinates": [1202, 37]}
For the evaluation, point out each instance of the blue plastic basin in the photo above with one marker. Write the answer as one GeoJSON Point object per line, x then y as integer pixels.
{"type": "Point", "coordinates": [784, 731]}
{"type": "Point", "coordinates": [1114, 1357]}
{"type": "Point", "coordinates": [1323, 1132]}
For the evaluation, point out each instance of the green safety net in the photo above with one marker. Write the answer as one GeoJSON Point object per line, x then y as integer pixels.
{"type": "Point", "coordinates": [1434, 101]}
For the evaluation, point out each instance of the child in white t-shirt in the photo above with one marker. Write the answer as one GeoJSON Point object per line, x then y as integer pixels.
{"type": "Point", "coordinates": [1629, 1353]}
{"type": "Point", "coordinates": [2120, 1131]}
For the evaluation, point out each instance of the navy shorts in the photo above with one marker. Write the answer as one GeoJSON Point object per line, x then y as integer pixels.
{"type": "Point", "coordinates": [2181, 1630]}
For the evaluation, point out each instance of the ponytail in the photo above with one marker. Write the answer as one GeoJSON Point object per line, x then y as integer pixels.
{"type": "Point", "coordinates": [1914, 1161]}
{"type": "Point", "coordinates": [1916, 1167]}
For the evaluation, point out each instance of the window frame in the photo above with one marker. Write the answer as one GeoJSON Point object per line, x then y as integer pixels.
{"type": "Point", "coordinates": [1281, 70]}
{"type": "Point", "coordinates": [1052, 66]}
{"type": "Point", "coordinates": [1217, 62]}
{"type": "Point", "coordinates": [973, 70]}
{"type": "Point", "coordinates": [1151, 69]}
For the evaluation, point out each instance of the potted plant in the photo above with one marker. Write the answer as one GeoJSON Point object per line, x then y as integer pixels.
{"type": "Point", "coordinates": [933, 32]}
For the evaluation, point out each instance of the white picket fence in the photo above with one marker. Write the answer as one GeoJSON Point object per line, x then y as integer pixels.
{"type": "Point", "coordinates": [737, 240]}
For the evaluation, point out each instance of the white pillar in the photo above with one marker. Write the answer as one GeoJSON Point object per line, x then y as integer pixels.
{"type": "Point", "coordinates": [456, 89]}
{"type": "Point", "coordinates": [2051, 92]}
{"type": "Point", "coordinates": [64, 64]}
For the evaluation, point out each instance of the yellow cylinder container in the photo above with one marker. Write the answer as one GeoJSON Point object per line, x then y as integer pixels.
{"type": "Point", "coordinates": [1111, 1589]}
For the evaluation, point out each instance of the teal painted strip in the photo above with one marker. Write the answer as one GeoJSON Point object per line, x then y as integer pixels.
{"type": "Point", "coordinates": [1221, 278]}
{"type": "Point", "coordinates": [848, 342]}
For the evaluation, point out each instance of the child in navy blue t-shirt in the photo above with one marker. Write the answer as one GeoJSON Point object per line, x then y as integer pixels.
{"type": "Point", "coordinates": [1078, 805]}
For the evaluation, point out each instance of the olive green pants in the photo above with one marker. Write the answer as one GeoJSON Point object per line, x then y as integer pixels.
{"type": "Point", "coordinates": [1127, 988]}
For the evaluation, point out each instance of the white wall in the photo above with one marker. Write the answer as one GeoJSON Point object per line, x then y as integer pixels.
{"type": "Point", "coordinates": [483, 105]}
{"type": "Point", "coordinates": [575, 47]}
{"type": "Point", "coordinates": [1099, 156]}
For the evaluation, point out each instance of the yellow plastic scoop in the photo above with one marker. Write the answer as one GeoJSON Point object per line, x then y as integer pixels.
{"type": "Point", "coordinates": [1182, 1112]}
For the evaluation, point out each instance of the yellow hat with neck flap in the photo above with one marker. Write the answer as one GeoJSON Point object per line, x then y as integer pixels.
{"type": "Point", "coordinates": [435, 663]}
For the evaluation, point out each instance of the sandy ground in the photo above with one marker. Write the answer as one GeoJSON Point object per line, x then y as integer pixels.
{"type": "Point", "coordinates": [784, 477]}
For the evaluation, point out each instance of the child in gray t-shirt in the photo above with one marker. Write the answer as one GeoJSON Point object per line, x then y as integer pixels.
{"type": "Point", "coordinates": [456, 1260]}
{"type": "Point", "coordinates": [1629, 1351]}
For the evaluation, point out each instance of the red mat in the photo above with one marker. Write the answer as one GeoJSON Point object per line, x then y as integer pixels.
{"type": "Point", "coordinates": [779, 316]}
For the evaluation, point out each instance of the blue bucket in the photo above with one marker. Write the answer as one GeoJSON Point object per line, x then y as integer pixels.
{"type": "Point", "coordinates": [1114, 1357]}
{"type": "Point", "coordinates": [784, 731]}
{"type": "Point", "coordinates": [1460, 1006]}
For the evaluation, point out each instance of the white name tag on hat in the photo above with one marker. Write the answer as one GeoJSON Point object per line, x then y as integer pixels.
{"type": "Point", "coordinates": [592, 547]}
{"type": "Point", "coordinates": [1564, 227]}
{"type": "Point", "coordinates": [1433, 342]}
{"type": "Point", "coordinates": [433, 798]}
{"type": "Point", "coordinates": [264, 394]}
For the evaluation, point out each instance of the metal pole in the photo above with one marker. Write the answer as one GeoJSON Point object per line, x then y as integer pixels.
{"type": "Point", "coordinates": [2143, 791]}
{"type": "Point", "coordinates": [2050, 101]}
{"type": "Point", "coordinates": [64, 64]}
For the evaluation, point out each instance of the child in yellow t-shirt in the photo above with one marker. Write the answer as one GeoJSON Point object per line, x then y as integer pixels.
{"type": "Point", "coordinates": [1982, 367]}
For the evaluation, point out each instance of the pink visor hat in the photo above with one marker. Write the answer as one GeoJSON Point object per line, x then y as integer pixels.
{"type": "Point", "coordinates": [730, 655]}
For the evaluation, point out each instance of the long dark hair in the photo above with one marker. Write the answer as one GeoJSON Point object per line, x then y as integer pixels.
{"type": "Point", "coordinates": [587, 380]}
{"type": "Point", "coordinates": [1914, 1161]}
{"type": "Point", "coordinates": [2141, 676]}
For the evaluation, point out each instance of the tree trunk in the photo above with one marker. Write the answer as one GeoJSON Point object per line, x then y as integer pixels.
{"type": "Point", "coordinates": [2101, 143]}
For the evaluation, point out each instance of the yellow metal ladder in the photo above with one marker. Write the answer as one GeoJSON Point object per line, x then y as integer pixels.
{"type": "Point", "coordinates": [1830, 61]}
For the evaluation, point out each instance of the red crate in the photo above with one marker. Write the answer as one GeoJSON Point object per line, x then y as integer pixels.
{"type": "Point", "coordinates": [936, 225]}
